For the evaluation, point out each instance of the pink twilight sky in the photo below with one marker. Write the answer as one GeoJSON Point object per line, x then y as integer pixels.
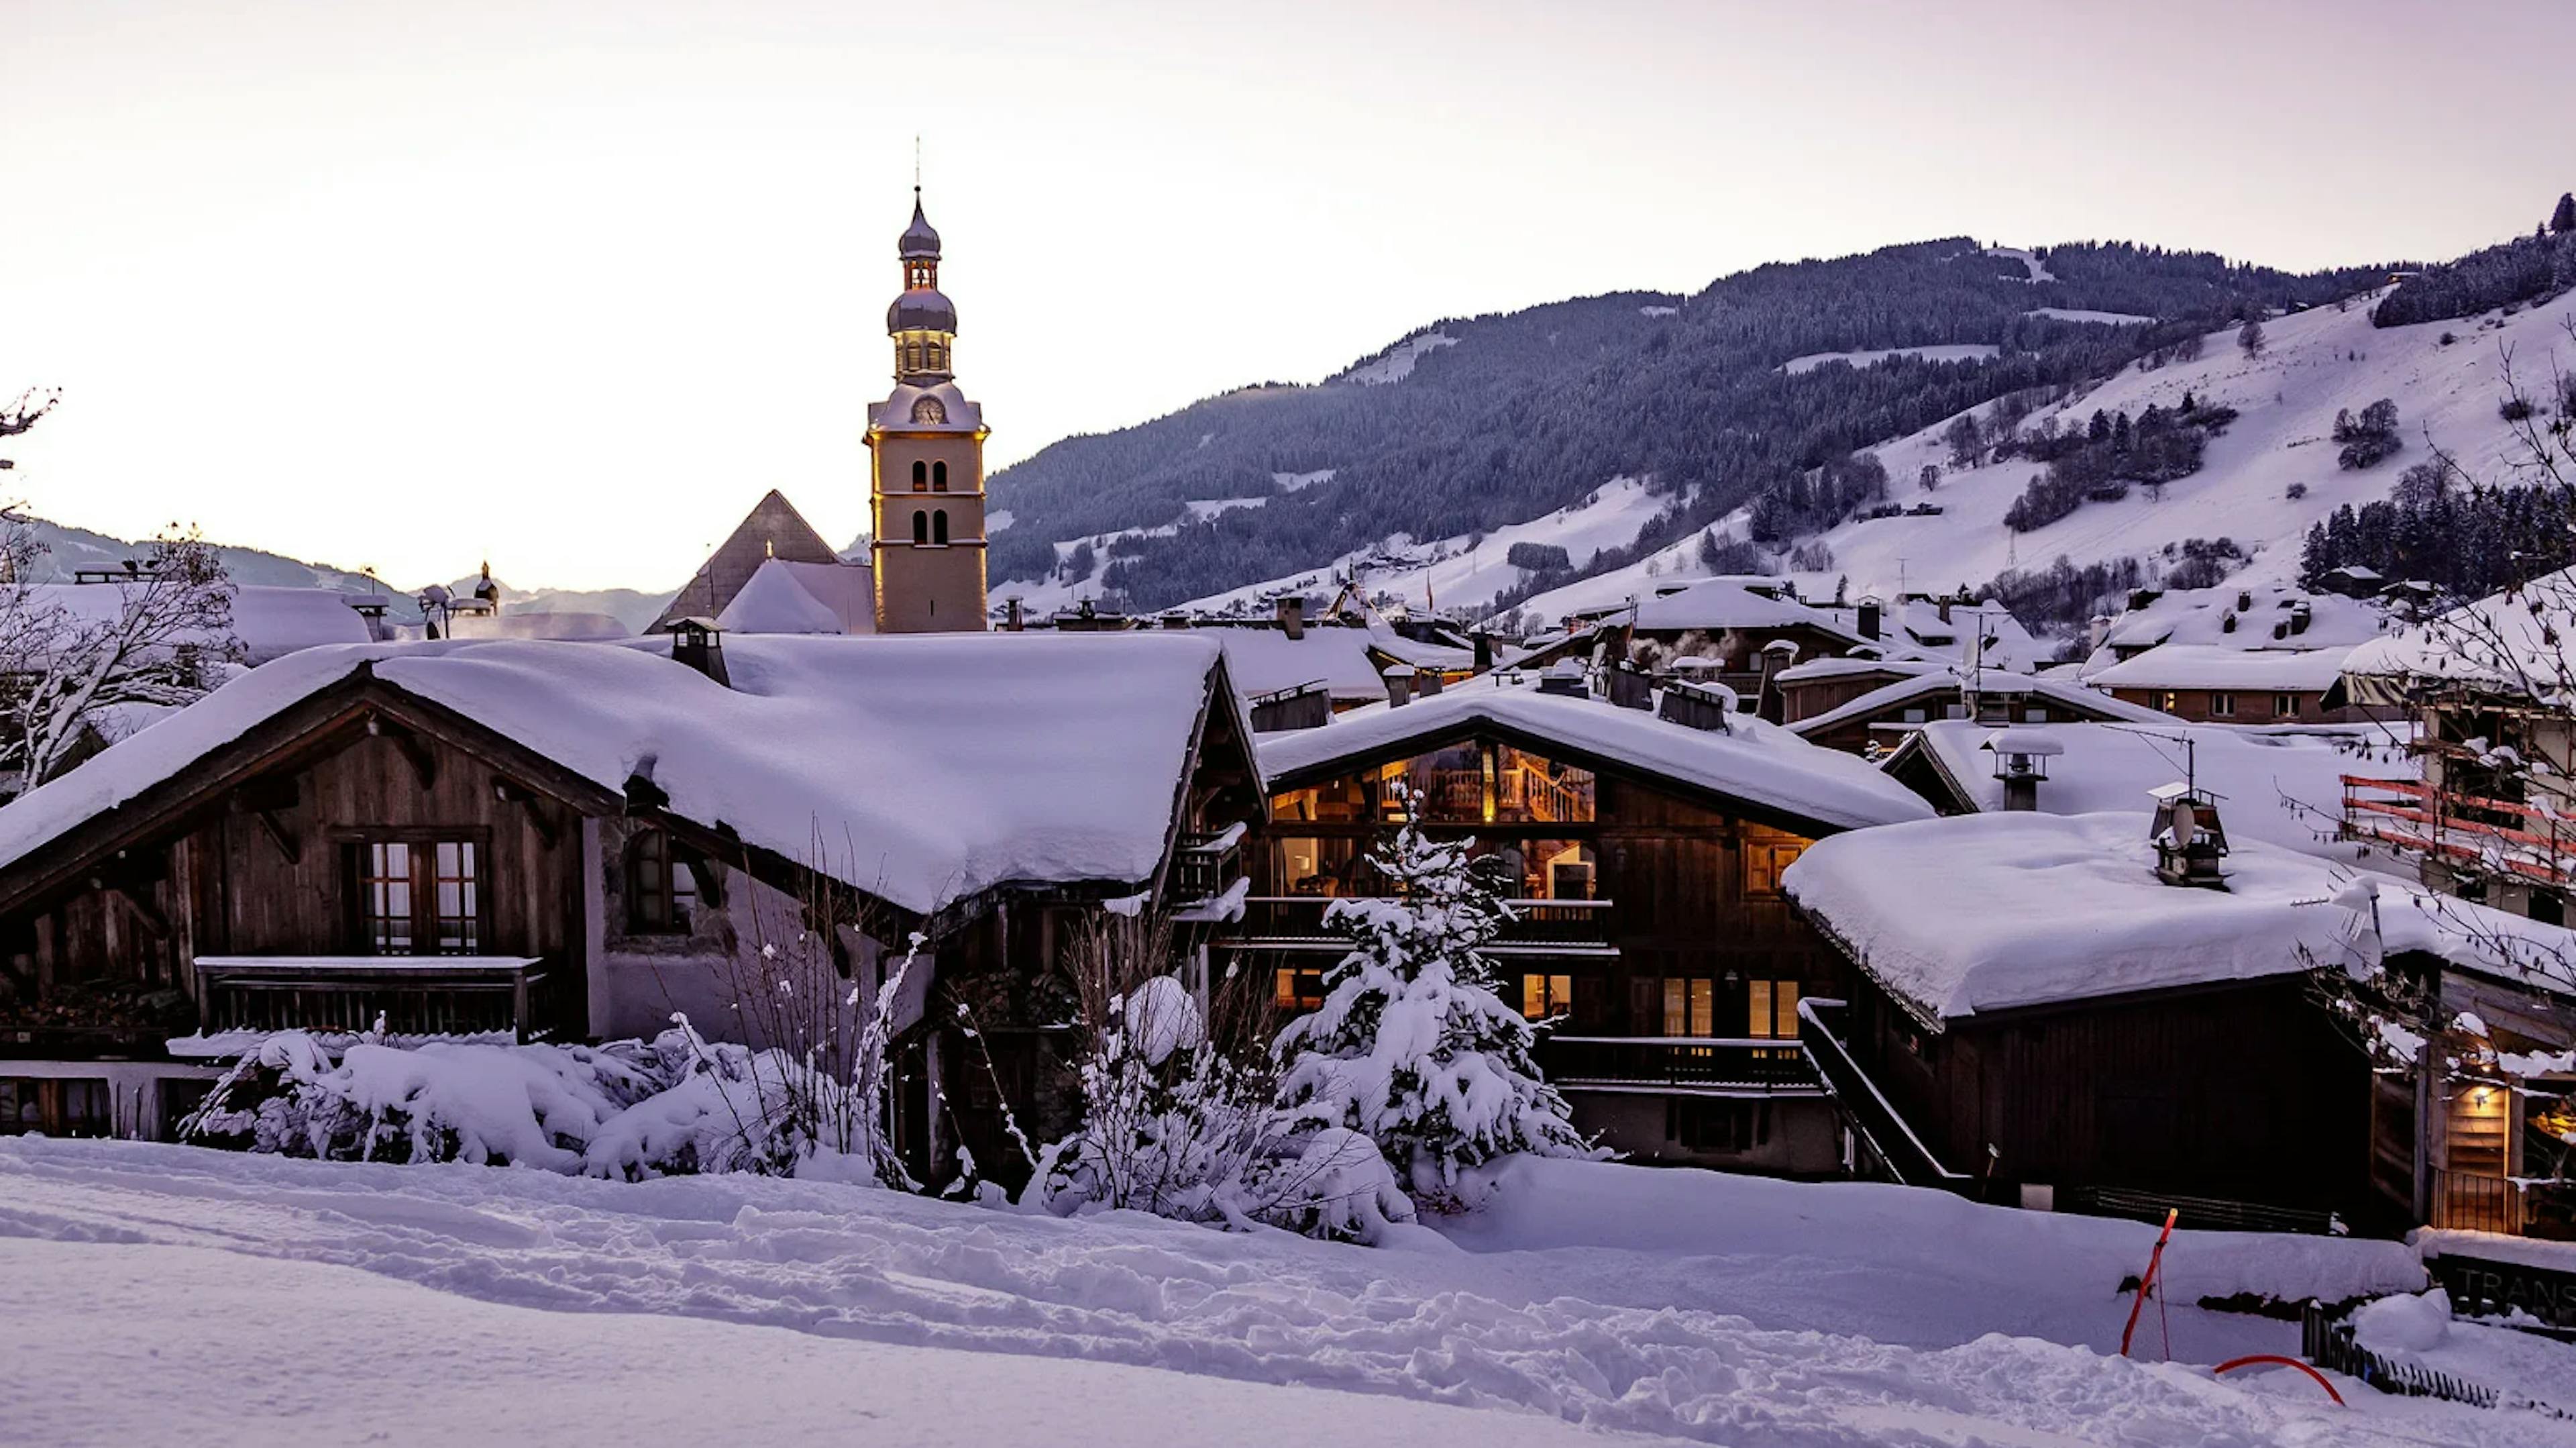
{"type": "Point", "coordinates": [567, 285]}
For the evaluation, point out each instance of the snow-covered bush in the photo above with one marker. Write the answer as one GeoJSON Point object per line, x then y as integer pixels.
{"type": "Point", "coordinates": [1170, 1124]}
{"type": "Point", "coordinates": [1411, 1047]}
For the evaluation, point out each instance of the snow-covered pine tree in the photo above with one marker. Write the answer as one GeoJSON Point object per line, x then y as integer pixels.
{"type": "Point", "coordinates": [1412, 1048]}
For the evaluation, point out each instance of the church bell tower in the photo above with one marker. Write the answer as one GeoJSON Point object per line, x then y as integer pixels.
{"type": "Point", "coordinates": [927, 475]}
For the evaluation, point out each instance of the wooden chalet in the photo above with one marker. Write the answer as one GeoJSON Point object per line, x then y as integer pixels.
{"type": "Point", "coordinates": [1644, 839]}
{"type": "Point", "coordinates": [2029, 1013]}
{"type": "Point", "coordinates": [1880, 718]}
{"type": "Point", "coordinates": [566, 841]}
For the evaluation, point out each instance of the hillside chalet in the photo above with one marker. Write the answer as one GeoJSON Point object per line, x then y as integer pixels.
{"type": "Point", "coordinates": [1917, 694]}
{"type": "Point", "coordinates": [2239, 654]}
{"type": "Point", "coordinates": [564, 841]}
{"type": "Point", "coordinates": [1644, 835]}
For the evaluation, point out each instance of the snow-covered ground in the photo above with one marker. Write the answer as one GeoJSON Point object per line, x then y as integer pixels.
{"type": "Point", "coordinates": [1399, 360]}
{"type": "Point", "coordinates": [1942, 352]}
{"type": "Point", "coordinates": [2316, 362]}
{"type": "Point", "coordinates": [161, 1292]}
{"type": "Point", "coordinates": [1462, 572]}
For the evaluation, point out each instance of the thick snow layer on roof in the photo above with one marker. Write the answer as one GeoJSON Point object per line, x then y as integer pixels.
{"type": "Point", "coordinates": [1846, 666]}
{"type": "Point", "coordinates": [269, 621]}
{"type": "Point", "coordinates": [1732, 603]}
{"type": "Point", "coordinates": [1265, 660]}
{"type": "Point", "coordinates": [2201, 616]}
{"type": "Point", "coordinates": [2252, 770]}
{"type": "Point", "coordinates": [2515, 641]}
{"type": "Point", "coordinates": [901, 756]}
{"type": "Point", "coordinates": [1933, 683]}
{"type": "Point", "coordinates": [774, 602]}
{"type": "Point", "coordinates": [2209, 666]}
{"type": "Point", "coordinates": [1754, 761]}
{"type": "Point", "coordinates": [1989, 912]}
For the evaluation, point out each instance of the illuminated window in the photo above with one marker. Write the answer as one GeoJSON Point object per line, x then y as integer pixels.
{"type": "Point", "coordinates": [1299, 991]}
{"type": "Point", "coordinates": [1545, 997]}
{"type": "Point", "coordinates": [2285, 706]}
{"type": "Point", "coordinates": [1530, 789]}
{"type": "Point", "coordinates": [1772, 1009]}
{"type": "Point", "coordinates": [939, 477]}
{"type": "Point", "coordinates": [1690, 1006]}
{"type": "Point", "coordinates": [1764, 858]}
{"type": "Point", "coordinates": [1448, 786]}
{"type": "Point", "coordinates": [921, 477]}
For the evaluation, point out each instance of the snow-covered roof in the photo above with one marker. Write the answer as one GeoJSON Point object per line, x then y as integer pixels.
{"type": "Point", "coordinates": [902, 410]}
{"type": "Point", "coordinates": [1733, 603]}
{"type": "Point", "coordinates": [1933, 682]}
{"type": "Point", "coordinates": [2513, 642]}
{"type": "Point", "coordinates": [1754, 761]}
{"type": "Point", "coordinates": [2211, 666]}
{"type": "Point", "coordinates": [1845, 666]}
{"type": "Point", "coordinates": [1264, 660]}
{"type": "Point", "coordinates": [786, 597]}
{"type": "Point", "coordinates": [1384, 638]}
{"type": "Point", "coordinates": [2199, 616]}
{"type": "Point", "coordinates": [270, 621]}
{"type": "Point", "coordinates": [904, 756]}
{"type": "Point", "coordinates": [2251, 769]}
{"type": "Point", "coordinates": [1989, 912]}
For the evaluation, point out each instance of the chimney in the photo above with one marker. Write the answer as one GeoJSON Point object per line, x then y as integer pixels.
{"type": "Point", "coordinates": [1016, 617]}
{"type": "Point", "coordinates": [1399, 685]}
{"type": "Point", "coordinates": [1942, 605]}
{"type": "Point", "coordinates": [2021, 762]}
{"type": "Point", "coordinates": [1869, 624]}
{"type": "Point", "coordinates": [1629, 689]}
{"type": "Point", "coordinates": [1427, 682]}
{"type": "Point", "coordinates": [699, 644]}
{"type": "Point", "coordinates": [1484, 652]}
{"type": "Point", "coordinates": [1292, 615]}
{"type": "Point", "coordinates": [2244, 601]}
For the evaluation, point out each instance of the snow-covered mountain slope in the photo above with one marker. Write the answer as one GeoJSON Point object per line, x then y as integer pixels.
{"type": "Point", "coordinates": [1467, 571]}
{"type": "Point", "coordinates": [2314, 364]}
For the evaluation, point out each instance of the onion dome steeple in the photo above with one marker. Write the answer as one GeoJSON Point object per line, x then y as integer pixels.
{"type": "Point", "coordinates": [922, 321]}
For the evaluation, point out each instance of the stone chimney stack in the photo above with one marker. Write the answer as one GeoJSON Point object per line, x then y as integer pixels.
{"type": "Point", "coordinates": [1292, 615]}
{"type": "Point", "coordinates": [698, 644]}
{"type": "Point", "coordinates": [1399, 685]}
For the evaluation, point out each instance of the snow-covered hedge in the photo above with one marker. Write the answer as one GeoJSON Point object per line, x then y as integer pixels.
{"type": "Point", "coordinates": [629, 1109]}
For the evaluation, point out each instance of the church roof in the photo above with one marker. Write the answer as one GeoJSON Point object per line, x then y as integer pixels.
{"type": "Point", "coordinates": [922, 309]}
{"type": "Point", "coordinates": [773, 529]}
{"type": "Point", "coordinates": [918, 240]}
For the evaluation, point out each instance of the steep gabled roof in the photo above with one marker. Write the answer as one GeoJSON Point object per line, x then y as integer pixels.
{"type": "Point", "coordinates": [773, 529]}
{"type": "Point", "coordinates": [1753, 766]}
{"type": "Point", "coordinates": [896, 765]}
{"type": "Point", "coordinates": [1940, 681]}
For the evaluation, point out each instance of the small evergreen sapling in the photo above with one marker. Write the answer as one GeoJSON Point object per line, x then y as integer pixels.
{"type": "Point", "coordinates": [1412, 1048]}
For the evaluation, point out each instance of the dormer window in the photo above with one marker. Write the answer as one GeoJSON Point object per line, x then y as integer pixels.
{"type": "Point", "coordinates": [933, 411]}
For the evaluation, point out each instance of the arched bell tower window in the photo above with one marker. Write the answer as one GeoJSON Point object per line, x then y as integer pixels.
{"type": "Point", "coordinates": [939, 477]}
{"type": "Point", "coordinates": [920, 273]}
{"type": "Point", "coordinates": [920, 526]}
{"type": "Point", "coordinates": [939, 526]}
{"type": "Point", "coordinates": [920, 477]}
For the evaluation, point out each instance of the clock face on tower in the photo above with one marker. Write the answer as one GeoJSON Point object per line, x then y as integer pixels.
{"type": "Point", "coordinates": [929, 410]}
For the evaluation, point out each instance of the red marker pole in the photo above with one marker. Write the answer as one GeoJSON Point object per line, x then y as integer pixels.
{"type": "Point", "coordinates": [2147, 1284]}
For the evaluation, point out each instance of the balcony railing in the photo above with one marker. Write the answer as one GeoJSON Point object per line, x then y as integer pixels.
{"type": "Point", "coordinates": [1890, 1139]}
{"type": "Point", "coordinates": [423, 995]}
{"type": "Point", "coordinates": [1207, 864]}
{"type": "Point", "coordinates": [2476, 1202]}
{"type": "Point", "coordinates": [1712, 1065]}
{"type": "Point", "coordinates": [1537, 927]}
{"type": "Point", "coordinates": [2519, 839]}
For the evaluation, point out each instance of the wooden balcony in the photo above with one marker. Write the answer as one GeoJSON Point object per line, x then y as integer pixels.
{"type": "Point", "coordinates": [1207, 864]}
{"type": "Point", "coordinates": [1689, 1065]}
{"type": "Point", "coordinates": [413, 995]}
{"type": "Point", "coordinates": [1885, 1131]}
{"type": "Point", "coordinates": [2521, 840]}
{"type": "Point", "coordinates": [1560, 928]}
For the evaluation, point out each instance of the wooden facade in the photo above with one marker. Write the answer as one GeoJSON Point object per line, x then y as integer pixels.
{"type": "Point", "coordinates": [2244, 706]}
{"type": "Point", "coordinates": [1651, 931]}
{"type": "Point", "coordinates": [2244, 1100]}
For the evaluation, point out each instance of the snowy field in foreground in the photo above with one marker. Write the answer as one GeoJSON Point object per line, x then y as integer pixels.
{"type": "Point", "coordinates": [160, 1293]}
